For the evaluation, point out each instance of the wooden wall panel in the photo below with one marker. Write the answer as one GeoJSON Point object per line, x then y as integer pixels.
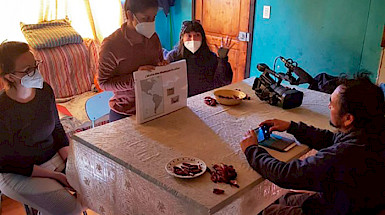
{"type": "Point", "coordinates": [221, 18]}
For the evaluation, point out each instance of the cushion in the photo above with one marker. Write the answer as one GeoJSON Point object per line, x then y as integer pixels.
{"type": "Point", "coordinates": [49, 34]}
{"type": "Point", "coordinates": [66, 69]}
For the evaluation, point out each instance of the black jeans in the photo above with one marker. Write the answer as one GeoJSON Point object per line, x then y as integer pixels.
{"type": "Point", "coordinates": [116, 116]}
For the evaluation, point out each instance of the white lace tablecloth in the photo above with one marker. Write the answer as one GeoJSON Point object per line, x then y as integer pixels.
{"type": "Point", "coordinates": [119, 168]}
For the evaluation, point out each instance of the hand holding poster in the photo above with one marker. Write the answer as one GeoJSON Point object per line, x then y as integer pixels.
{"type": "Point", "coordinates": [160, 91]}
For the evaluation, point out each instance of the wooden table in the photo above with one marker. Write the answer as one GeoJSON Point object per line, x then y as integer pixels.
{"type": "Point", "coordinates": [119, 168]}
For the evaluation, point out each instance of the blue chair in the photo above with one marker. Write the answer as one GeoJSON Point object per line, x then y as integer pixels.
{"type": "Point", "coordinates": [97, 106]}
{"type": "Point", "coordinates": [382, 85]}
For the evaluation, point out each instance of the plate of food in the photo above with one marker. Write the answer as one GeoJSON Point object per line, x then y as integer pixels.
{"type": "Point", "coordinates": [186, 167]}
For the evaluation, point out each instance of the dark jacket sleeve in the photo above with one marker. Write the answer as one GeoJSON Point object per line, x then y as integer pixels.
{"type": "Point", "coordinates": [10, 161]}
{"type": "Point", "coordinates": [223, 74]}
{"type": "Point", "coordinates": [60, 138]}
{"type": "Point", "coordinates": [173, 56]}
{"type": "Point", "coordinates": [313, 137]}
{"type": "Point", "coordinates": [306, 174]}
{"type": "Point", "coordinates": [13, 165]}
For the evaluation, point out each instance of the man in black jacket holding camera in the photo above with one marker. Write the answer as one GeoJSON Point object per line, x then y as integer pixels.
{"type": "Point", "coordinates": [348, 172]}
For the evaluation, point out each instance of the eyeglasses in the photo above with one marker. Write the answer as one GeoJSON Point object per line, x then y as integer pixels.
{"type": "Point", "coordinates": [30, 71]}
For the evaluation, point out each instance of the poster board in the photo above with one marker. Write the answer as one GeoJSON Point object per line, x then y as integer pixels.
{"type": "Point", "coordinates": [160, 91]}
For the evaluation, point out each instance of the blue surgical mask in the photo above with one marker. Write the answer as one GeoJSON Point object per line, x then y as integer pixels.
{"type": "Point", "coordinates": [35, 81]}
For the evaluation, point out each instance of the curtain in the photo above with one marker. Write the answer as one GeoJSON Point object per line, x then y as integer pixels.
{"type": "Point", "coordinates": [12, 13]}
{"type": "Point", "coordinates": [104, 16]}
{"type": "Point", "coordinates": [94, 19]}
{"type": "Point", "coordinates": [52, 9]}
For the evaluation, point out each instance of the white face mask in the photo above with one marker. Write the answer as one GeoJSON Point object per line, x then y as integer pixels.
{"type": "Point", "coordinates": [35, 81]}
{"type": "Point", "coordinates": [192, 46]}
{"type": "Point", "coordinates": [146, 29]}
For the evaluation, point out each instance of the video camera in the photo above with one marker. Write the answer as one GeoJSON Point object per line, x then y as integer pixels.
{"type": "Point", "coordinates": [270, 90]}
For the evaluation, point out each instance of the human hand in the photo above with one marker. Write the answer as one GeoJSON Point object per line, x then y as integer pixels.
{"type": "Point", "coordinates": [249, 139]}
{"type": "Point", "coordinates": [146, 68]}
{"type": "Point", "coordinates": [276, 125]}
{"type": "Point", "coordinates": [63, 152]}
{"type": "Point", "coordinates": [60, 177]}
{"type": "Point", "coordinates": [226, 45]}
{"type": "Point", "coordinates": [163, 63]}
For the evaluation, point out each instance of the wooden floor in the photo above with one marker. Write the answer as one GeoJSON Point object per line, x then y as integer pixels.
{"type": "Point", "coordinates": [12, 207]}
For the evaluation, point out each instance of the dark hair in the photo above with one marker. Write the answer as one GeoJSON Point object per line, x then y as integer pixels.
{"type": "Point", "coordinates": [9, 52]}
{"type": "Point", "coordinates": [362, 99]}
{"type": "Point", "coordinates": [137, 6]}
{"type": "Point", "coordinates": [191, 26]}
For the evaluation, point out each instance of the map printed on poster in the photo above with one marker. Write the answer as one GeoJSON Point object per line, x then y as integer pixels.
{"type": "Point", "coordinates": [160, 91]}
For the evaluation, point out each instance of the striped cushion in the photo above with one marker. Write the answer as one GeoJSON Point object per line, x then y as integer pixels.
{"type": "Point", "coordinates": [66, 69]}
{"type": "Point", "coordinates": [50, 34]}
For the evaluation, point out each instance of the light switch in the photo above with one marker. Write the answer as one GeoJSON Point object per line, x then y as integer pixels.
{"type": "Point", "coordinates": [266, 12]}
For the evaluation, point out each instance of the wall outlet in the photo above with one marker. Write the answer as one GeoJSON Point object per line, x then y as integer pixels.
{"type": "Point", "coordinates": [244, 36]}
{"type": "Point", "coordinates": [266, 12]}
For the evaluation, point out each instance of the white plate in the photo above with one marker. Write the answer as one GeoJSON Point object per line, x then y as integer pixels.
{"type": "Point", "coordinates": [178, 162]}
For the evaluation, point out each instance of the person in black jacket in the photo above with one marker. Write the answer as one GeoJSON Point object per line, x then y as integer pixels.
{"type": "Point", "coordinates": [346, 175]}
{"type": "Point", "coordinates": [205, 71]}
{"type": "Point", "coordinates": [33, 144]}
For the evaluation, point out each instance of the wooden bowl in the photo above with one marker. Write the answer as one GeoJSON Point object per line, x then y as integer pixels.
{"type": "Point", "coordinates": [229, 97]}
